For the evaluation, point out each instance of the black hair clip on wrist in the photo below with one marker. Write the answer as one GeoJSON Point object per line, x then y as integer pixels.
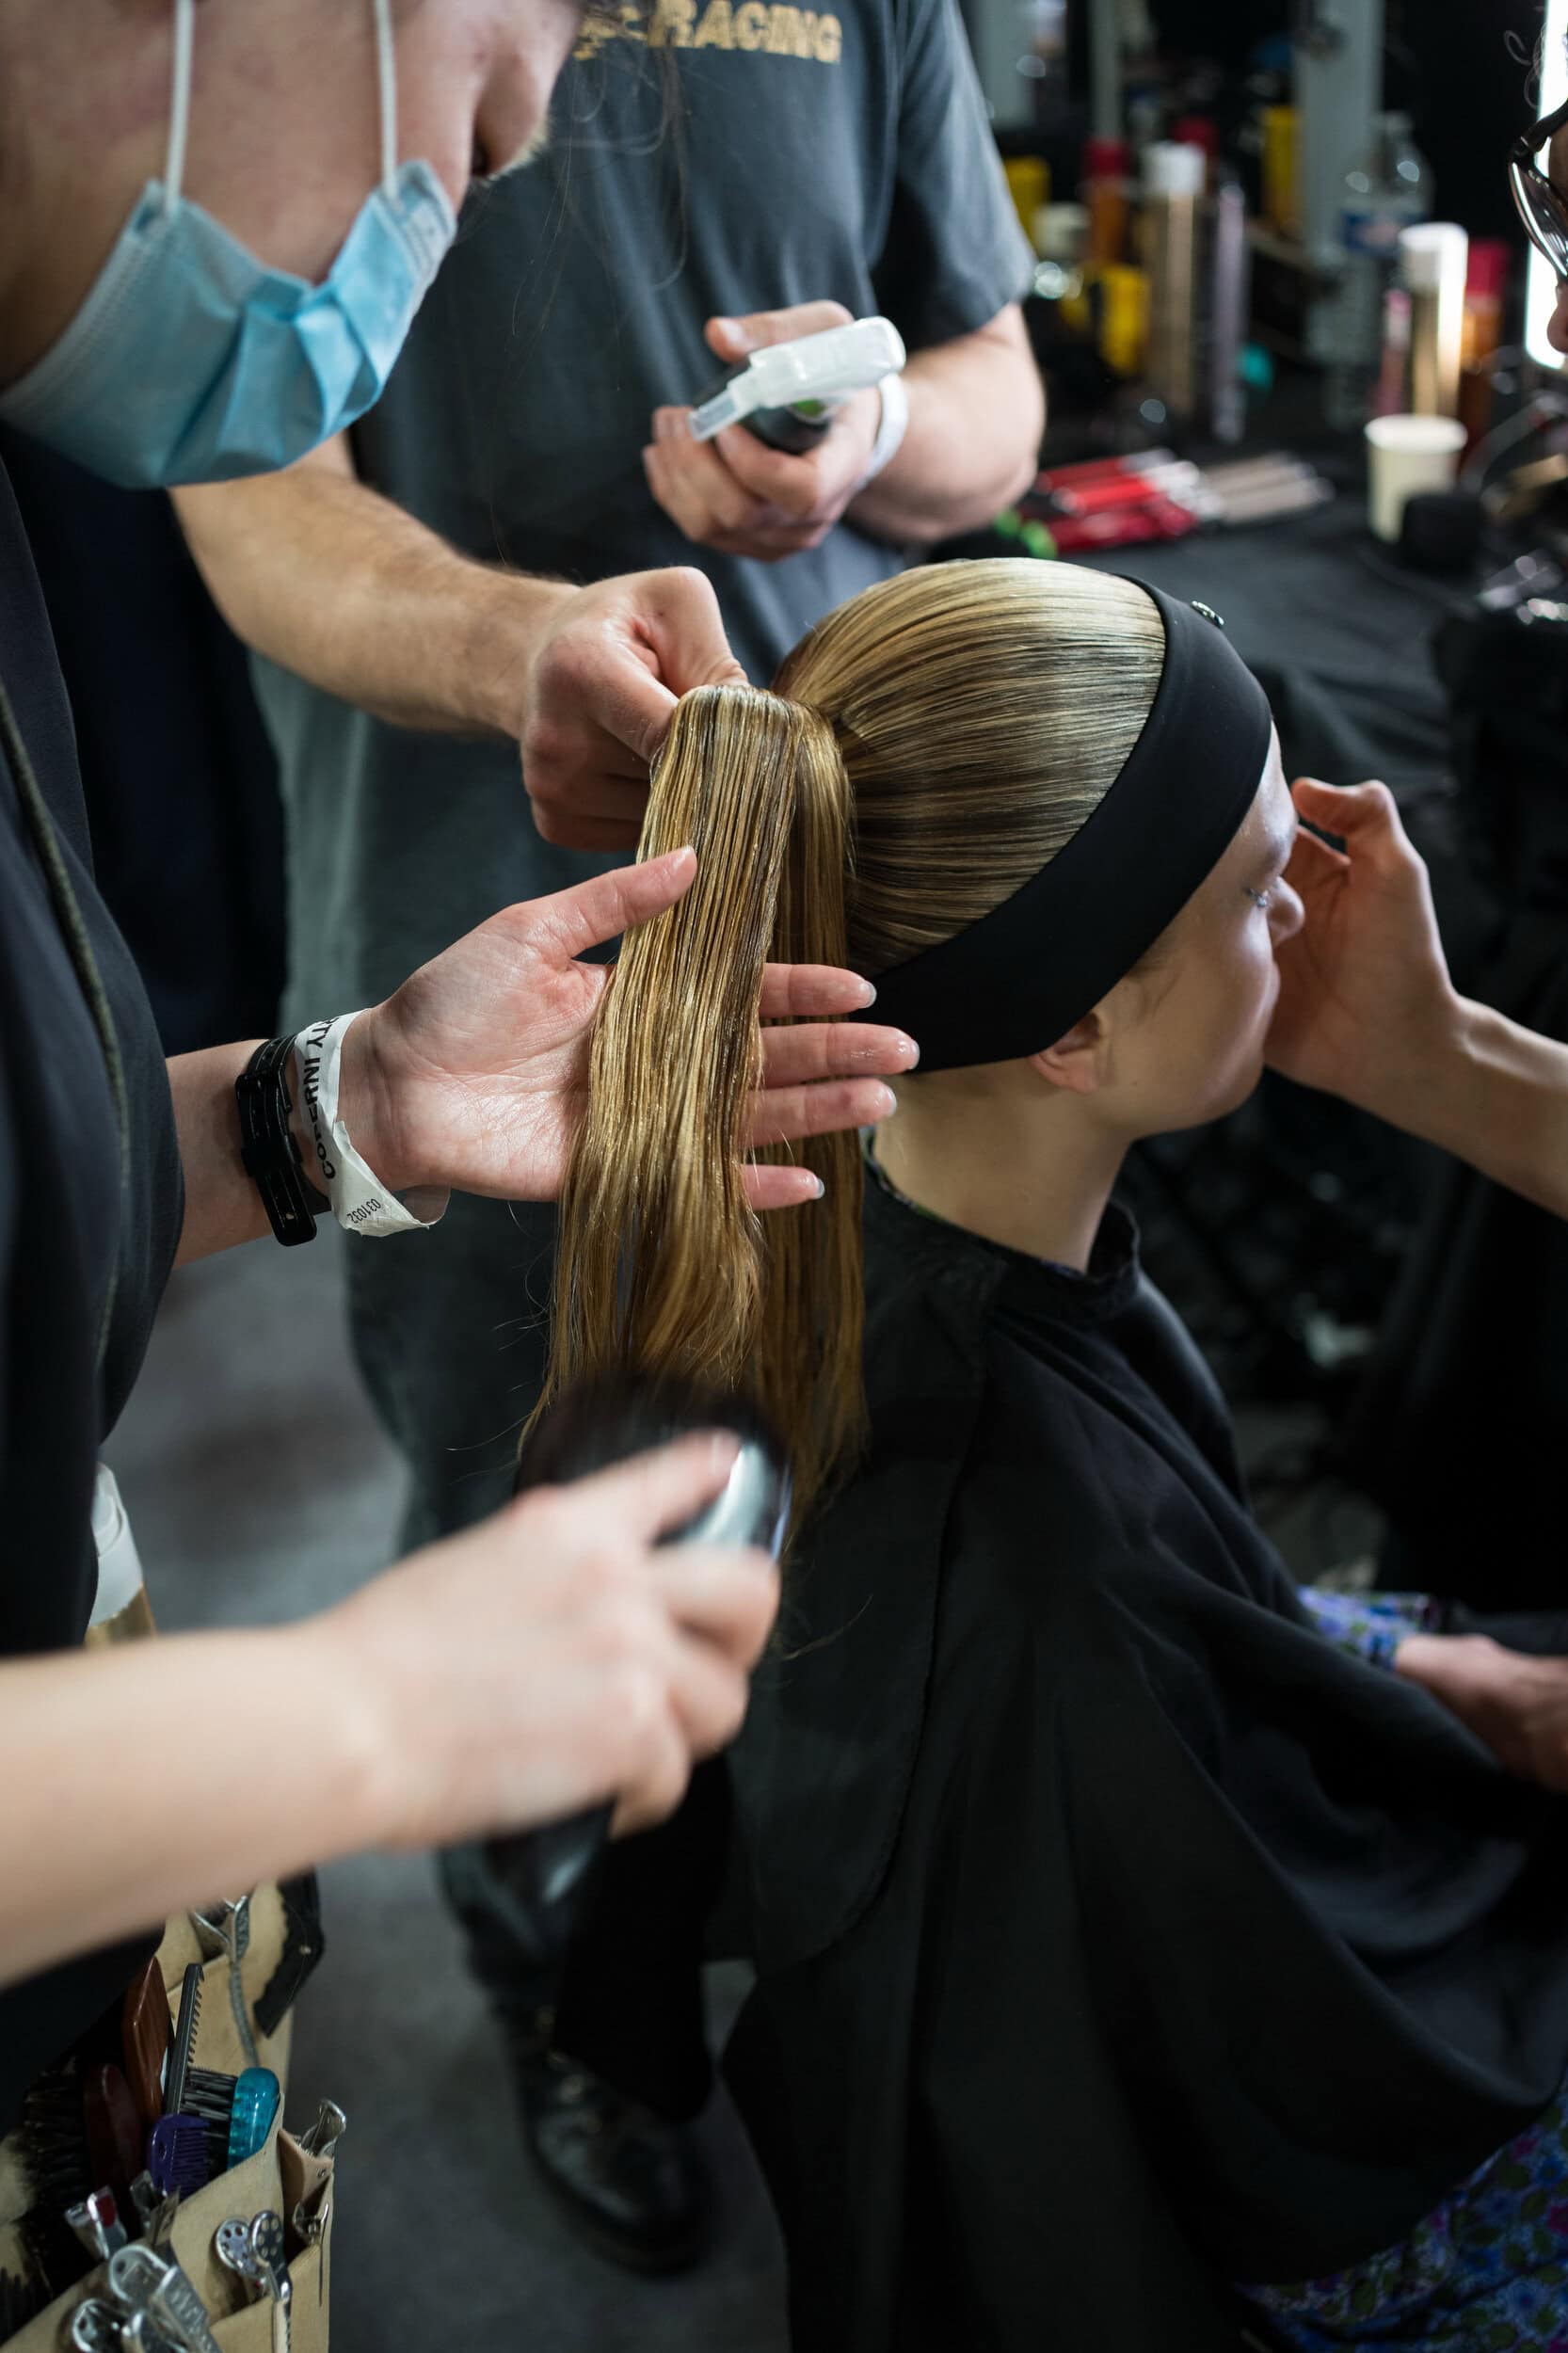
{"type": "Point", "coordinates": [267, 1147]}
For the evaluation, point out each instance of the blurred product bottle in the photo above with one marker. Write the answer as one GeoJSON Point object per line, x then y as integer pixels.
{"type": "Point", "coordinates": [1229, 287]}
{"type": "Point", "coordinates": [1121, 305]}
{"type": "Point", "coordinates": [1199, 131]}
{"type": "Point", "coordinates": [1029, 183]}
{"type": "Point", "coordinates": [1106, 194]}
{"type": "Point", "coordinates": [1391, 396]}
{"type": "Point", "coordinates": [1434, 265]}
{"type": "Point", "coordinates": [1282, 170]}
{"type": "Point", "coordinates": [1060, 239]}
{"type": "Point", "coordinates": [1485, 295]}
{"type": "Point", "coordinates": [1173, 180]}
{"type": "Point", "coordinates": [1385, 194]}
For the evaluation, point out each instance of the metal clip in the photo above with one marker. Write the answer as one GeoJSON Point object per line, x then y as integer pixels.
{"type": "Point", "coordinates": [95, 2327]}
{"type": "Point", "coordinates": [323, 2137]}
{"type": "Point", "coordinates": [155, 2285]}
{"type": "Point", "coordinates": [267, 2241]}
{"type": "Point", "coordinates": [227, 1931]}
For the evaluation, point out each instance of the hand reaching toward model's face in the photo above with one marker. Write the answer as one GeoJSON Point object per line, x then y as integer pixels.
{"type": "Point", "coordinates": [1365, 993]}
{"type": "Point", "coordinates": [1516, 1705]}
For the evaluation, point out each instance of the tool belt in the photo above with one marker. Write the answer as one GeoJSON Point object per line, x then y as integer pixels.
{"type": "Point", "coordinates": [152, 2199]}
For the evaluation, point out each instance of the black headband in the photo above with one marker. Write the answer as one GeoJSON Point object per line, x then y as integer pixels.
{"type": "Point", "coordinates": [1021, 977]}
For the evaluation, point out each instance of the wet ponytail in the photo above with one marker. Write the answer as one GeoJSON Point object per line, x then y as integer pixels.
{"type": "Point", "coordinates": [932, 744]}
{"type": "Point", "coordinates": [660, 1264]}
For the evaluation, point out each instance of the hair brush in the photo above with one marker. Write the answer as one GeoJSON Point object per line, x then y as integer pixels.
{"type": "Point", "coordinates": [595, 1424]}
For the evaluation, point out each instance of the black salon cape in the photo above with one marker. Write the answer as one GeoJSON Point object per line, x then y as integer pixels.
{"type": "Point", "coordinates": [1118, 1937]}
{"type": "Point", "coordinates": [85, 1252]}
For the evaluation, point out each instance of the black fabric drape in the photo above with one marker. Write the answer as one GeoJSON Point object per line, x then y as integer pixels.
{"type": "Point", "coordinates": [1118, 1937]}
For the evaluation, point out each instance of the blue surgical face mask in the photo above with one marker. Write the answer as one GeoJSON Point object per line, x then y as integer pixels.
{"type": "Point", "coordinates": [192, 362]}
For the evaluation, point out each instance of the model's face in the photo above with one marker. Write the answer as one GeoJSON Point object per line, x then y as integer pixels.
{"type": "Point", "coordinates": [1188, 1030]}
{"type": "Point", "coordinates": [1557, 172]}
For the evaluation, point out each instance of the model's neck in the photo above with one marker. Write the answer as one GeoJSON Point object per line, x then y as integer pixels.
{"type": "Point", "coordinates": [1031, 1171]}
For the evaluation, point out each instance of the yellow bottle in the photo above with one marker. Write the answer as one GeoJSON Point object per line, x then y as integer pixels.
{"type": "Point", "coordinates": [1029, 179]}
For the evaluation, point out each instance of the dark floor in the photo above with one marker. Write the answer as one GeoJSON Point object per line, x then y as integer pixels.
{"type": "Point", "coordinates": [259, 1488]}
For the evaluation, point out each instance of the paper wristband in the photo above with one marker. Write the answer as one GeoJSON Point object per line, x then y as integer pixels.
{"type": "Point", "coordinates": [360, 1202]}
{"type": "Point", "coordinates": [891, 432]}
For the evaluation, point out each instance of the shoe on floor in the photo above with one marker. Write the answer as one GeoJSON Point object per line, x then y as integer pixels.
{"type": "Point", "coordinates": [629, 2183]}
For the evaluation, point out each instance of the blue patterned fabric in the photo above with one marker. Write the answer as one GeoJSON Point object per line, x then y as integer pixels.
{"type": "Point", "coordinates": [1485, 2272]}
{"type": "Point", "coordinates": [1372, 1625]}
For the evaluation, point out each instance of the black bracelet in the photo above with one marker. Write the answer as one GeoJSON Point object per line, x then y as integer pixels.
{"type": "Point", "coordinates": [267, 1146]}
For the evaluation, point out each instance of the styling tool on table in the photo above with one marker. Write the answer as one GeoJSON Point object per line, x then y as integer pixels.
{"type": "Point", "coordinates": [599, 1422]}
{"type": "Point", "coordinates": [785, 393]}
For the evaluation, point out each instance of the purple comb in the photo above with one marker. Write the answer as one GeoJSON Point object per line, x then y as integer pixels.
{"type": "Point", "coordinates": [177, 2154]}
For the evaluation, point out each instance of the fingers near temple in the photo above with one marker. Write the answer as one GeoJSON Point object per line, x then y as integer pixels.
{"type": "Point", "coordinates": [1346, 809]}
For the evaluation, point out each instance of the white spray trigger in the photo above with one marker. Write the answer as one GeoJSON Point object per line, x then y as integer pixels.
{"type": "Point", "coordinates": [823, 369]}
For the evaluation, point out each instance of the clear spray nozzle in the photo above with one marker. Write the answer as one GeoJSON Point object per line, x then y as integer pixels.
{"type": "Point", "coordinates": [815, 372]}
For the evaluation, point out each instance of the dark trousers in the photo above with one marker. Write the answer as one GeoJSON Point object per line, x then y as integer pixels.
{"type": "Point", "coordinates": [450, 1335]}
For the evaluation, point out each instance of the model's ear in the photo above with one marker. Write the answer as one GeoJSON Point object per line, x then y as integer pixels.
{"type": "Point", "coordinates": [1079, 1062]}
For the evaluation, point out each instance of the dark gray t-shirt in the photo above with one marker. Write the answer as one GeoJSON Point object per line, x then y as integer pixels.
{"type": "Point", "coordinates": [714, 156]}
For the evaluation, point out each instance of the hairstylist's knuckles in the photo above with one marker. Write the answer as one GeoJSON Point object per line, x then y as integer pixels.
{"type": "Point", "coordinates": [686, 629]}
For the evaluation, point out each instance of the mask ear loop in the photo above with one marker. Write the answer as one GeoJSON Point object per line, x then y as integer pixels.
{"type": "Point", "coordinates": [178, 103]}
{"type": "Point", "coordinates": [386, 58]}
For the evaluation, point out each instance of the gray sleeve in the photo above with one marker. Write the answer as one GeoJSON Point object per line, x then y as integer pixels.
{"type": "Point", "coordinates": [954, 254]}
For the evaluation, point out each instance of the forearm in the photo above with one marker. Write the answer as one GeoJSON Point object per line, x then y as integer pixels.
{"type": "Point", "coordinates": [976, 417]}
{"type": "Point", "coordinates": [332, 581]}
{"type": "Point", "coordinates": [222, 1205]}
{"type": "Point", "coordinates": [1496, 1096]}
{"type": "Point", "coordinates": [278, 1766]}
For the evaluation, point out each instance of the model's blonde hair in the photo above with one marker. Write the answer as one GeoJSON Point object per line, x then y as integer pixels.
{"type": "Point", "coordinates": [928, 747]}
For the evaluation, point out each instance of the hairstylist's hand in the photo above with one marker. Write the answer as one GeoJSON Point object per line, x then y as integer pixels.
{"type": "Point", "coordinates": [554, 1657]}
{"type": "Point", "coordinates": [1518, 1705]}
{"type": "Point", "coordinates": [733, 492]}
{"type": "Point", "coordinates": [474, 1073]}
{"type": "Point", "coordinates": [1365, 1003]}
{"type": "Point", "coordinates": [600, 690]}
